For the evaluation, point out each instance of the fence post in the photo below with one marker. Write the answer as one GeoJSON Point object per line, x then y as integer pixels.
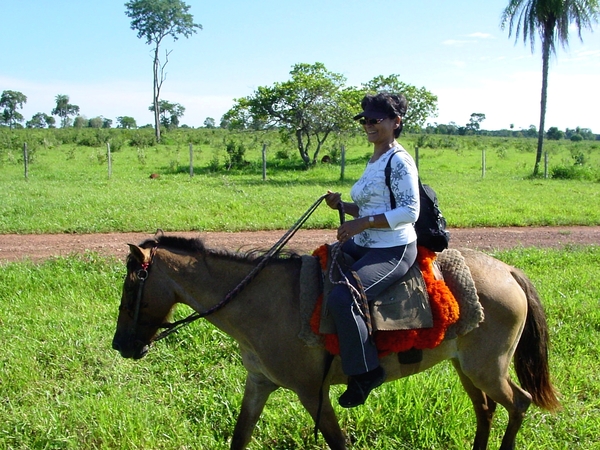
{"type": "Point", "coordinates": [26, 160]}
{"type": "Point", "coordinates": [191, 160]}
{"type": "Point", "coordinates": [483, 163]}
{"type": "Point", "coordinates": [109, 159]}
{"type": "Point", "coordinates": [417, 157]}
{"type": "Point", "coordinates": [264, 162]}
{"type": "Point", "coordinates": [343, 162]}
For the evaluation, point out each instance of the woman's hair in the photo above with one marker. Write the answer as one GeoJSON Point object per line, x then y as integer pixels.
{"type": "Point", "coordinates": [395, 105]}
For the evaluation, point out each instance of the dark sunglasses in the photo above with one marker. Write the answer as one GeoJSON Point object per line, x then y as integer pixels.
{"type": "Point", "coordinates": [370, 121]}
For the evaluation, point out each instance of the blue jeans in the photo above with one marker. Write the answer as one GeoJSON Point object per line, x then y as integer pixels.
{"type": "Point", "coordinates": [377, 268]}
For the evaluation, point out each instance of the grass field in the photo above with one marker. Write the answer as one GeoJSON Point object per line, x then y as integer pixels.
{"type": "Point", "coordinates": [68, 189]}
{"type": "Point", "coordinates": [63, 387]}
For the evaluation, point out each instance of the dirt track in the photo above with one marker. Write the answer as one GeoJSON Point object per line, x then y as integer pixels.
{"type": "Point", "coordinates": [15, 247]}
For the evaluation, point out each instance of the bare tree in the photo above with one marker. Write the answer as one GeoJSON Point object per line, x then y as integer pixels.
{"type": "Point", "coordinates": [154, 20]}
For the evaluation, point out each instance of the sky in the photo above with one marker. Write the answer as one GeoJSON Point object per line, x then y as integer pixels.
{"type": "Point", "coordinates": [455, 49]}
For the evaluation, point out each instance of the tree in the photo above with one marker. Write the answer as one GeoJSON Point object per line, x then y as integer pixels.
{"type": "Point", "coordinates": [585, 133]}
{"type": "Point", "coordinates": [551, 19]}
{"type": "Point", "coordinates": [64, 109]}
{"type": "Point", "coordinates": [126, 122]}
{"type": "Point", "coordinates": [209, 122]}
{"type": "Point", "coordinates": [422, 104]}
{"type": "Point", "coordinates": [305, 109]}
{"type": "Point", "coordinates": [11, 101]}
{"type": "Point", "coordinates": [475, 121]}
{"type": "Point", "coordinates": [95, 122]}
{"type": "Point", "coordinates": [170, 113]}
{"type": "Point", "coordinates": [37, 121]}
{"type": "Point", "coordinates": [555, 134]}
{"type": "Point", "coordinates": [80, 122]}
{"type": "Point", "coordinates": [155, 20]}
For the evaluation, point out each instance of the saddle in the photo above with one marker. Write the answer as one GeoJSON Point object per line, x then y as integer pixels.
{"type": "Point", "coordinates": [402, 306]}
{"type": "Point", "coordinates": [418, 312]}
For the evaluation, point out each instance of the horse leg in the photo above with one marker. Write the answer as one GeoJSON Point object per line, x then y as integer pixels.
{"type": "Point", "coordinates": [328, 422]}
{"type": "Point", "coordinates": [257, 391]}
{"type": "Point", "coordinates": [484, 407]}
{"type": "Point", "coordinates": [498, 387]}
{"type": "Point", "coordinates": [520, 402]}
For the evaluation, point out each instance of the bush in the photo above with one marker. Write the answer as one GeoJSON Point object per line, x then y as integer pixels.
{"type": "Point", "coordinates": [142, 138]}
{"type": "Point", "coordinates": [575, 172]}
{"type": "Point", "coordinates": [236, 152]}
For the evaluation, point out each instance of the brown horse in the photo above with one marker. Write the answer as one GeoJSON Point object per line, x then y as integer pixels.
{"type": "Point", "coordinates": [265, 320]}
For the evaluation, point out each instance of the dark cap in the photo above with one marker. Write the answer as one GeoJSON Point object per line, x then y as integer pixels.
{"type": "Point", "coordinates": [370, 113]}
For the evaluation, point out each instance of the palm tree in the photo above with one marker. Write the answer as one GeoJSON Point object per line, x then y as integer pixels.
{"type": "Point", "coordinates": [551, 19]}
{"type": "Point", "coordinates": [64, 109]}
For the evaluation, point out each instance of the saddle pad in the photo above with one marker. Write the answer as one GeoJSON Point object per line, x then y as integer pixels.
{"type": "Point", "coordinates": [444, 313]}
{"type": "Point", "coordinates": [402, 306]}
{"type": "Point", "coordinates": [459, 280]}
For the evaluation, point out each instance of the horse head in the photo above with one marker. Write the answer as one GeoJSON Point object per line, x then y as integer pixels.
{"type": "Point", "coordinates": [145, 304]}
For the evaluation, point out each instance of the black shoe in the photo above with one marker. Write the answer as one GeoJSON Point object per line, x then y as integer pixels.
{"type": "Point", "coordinates": [360, 386]}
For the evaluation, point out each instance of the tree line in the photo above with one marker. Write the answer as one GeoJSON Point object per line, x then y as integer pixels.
{"type": "Point", "coordinates": [169, 115]}
{"type": "Point", "coordinates": [315, 102]}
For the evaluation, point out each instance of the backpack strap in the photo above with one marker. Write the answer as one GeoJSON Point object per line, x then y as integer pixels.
{"type": "Point", "coordinates": [388, 173]}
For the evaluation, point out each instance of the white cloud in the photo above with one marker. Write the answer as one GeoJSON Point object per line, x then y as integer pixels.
{"type": "Point", "coordinates": [481, 35]}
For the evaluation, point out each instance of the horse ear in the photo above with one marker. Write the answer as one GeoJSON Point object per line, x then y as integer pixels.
{"type": "Point", "coordinates": [139, 254]}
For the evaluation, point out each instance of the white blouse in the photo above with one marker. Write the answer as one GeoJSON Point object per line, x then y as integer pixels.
{"type": "Point", "coordinates": [372, 197]}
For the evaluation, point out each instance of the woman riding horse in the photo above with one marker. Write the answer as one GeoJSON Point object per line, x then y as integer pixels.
{"type": "Point", "coordinates": [381, 239]}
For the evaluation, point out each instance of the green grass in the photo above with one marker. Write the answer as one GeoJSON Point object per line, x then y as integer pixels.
{"type": "Point", "coordinates": [68, 189]}
{"type": "Point", "coordinates": [63, 387]}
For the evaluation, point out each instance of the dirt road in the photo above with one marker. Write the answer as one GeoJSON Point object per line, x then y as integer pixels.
{"type": "Point", "coordinates": [15, 247]}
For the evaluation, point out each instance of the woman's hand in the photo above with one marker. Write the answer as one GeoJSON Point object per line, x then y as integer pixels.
{"type": "Point", "coordinates": [351, 228]}
{"type": "Point", "coordinates": [333, 199]}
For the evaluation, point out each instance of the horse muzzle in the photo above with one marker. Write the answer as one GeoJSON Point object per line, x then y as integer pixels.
{"type": "Point", "coordinates": [131, 349]}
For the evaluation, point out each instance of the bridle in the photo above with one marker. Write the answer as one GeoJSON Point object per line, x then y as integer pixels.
{"type": "Point", "coordinates": [143, 273]}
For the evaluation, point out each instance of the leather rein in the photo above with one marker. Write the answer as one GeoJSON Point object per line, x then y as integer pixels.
{"type": "Point", "coordinates": [170, 328]}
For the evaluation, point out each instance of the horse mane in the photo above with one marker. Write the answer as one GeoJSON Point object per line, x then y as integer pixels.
{"type": "Point", "coordinates": [197, 246]}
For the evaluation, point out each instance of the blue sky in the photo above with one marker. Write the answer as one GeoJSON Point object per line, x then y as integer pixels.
{"type": "Point", "coordinates": [455, 49]}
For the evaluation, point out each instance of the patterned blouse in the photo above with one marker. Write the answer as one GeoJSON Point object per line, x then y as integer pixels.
{"type": "Point", "coordinates": [372, 197]}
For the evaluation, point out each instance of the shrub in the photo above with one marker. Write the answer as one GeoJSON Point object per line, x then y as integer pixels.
{"type": "Point", "coordinates": [235, 152]}
{"type": "Point", "coordinates": [575, 172]}
{"type": "Point", "coordinates": [142, 138]}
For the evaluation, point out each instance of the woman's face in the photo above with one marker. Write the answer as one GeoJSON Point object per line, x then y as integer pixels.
{"type": "Point", "coordinates": [381, 132]}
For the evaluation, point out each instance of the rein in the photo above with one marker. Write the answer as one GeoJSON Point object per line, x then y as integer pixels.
{"type": "Point", "coordinates": [277, 247]}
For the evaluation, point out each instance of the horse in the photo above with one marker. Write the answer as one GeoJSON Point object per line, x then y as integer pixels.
{"type": "Point", "coordinates": [264, 319]}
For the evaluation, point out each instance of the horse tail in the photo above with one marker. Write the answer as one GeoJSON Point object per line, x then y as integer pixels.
{"type": "Point", "coordinates": [531, 355]}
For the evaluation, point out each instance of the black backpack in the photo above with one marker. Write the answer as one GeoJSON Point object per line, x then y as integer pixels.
{"type": "Point", "coordinates": [431, 225]}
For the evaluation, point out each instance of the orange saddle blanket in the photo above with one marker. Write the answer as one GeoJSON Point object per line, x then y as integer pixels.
{"type": "Point", "coordinates": [444, 308]}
